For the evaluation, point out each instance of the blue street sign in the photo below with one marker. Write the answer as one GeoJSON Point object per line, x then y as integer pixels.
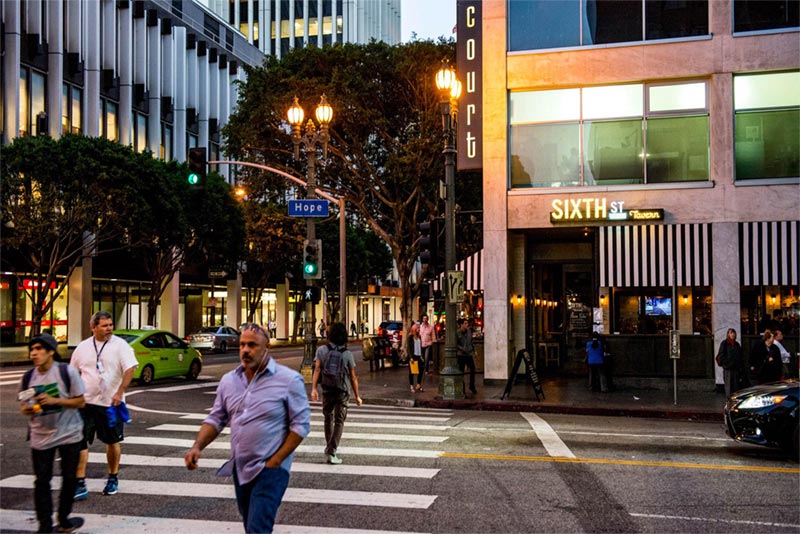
{"type": "Point", "coordinates": [308, 208]}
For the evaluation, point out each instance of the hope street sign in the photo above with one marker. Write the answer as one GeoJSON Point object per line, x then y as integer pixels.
{"type": "Point", "coordinates": [308, 208]}
{"type": "Point", "coordinates": [455, 286]}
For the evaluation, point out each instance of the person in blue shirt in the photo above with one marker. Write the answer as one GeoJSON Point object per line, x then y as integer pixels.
{"type": "Point", "coordinates": [595, 359]}
{"type": "Point", "coordinates": [266, 406]}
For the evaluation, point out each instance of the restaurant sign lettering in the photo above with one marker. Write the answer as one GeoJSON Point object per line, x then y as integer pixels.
{"type": "Point", "coordinates": [585, 210]}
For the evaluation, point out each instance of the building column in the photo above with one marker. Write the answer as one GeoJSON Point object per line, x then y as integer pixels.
{"type": "Point", "coordinates": [154, 85]}
{"type": "Point", "coordinates": [91, 57]}
{"type": "Point", "coordinates": [233, 306]}
{"type": "Point", "coordinates": [55, 68]}
{"type": "Point", "coordinates": [79, 287]}
{"type": "Point", "coordinates": [179, 95]}
{"type": "Point", "coordinates": [125, 75]}
{"type": "Point", "coordinates": [726, 309]}
{"type": "Point", "coordinates": [282, 310]}
{"type": "Point", "coordinates": [168, 318]}
{"type": "Point", "coordinates": [11, 59]}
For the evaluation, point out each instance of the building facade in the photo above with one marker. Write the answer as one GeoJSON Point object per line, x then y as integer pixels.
{"type": "Point", "coordinates": [156, 75]}
{"type": "Point", "coordinates": [641, 169]}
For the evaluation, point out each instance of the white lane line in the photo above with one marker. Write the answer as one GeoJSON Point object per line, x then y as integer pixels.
{"type": "Point", "coordinates": [317, 405]}
{"type": "Point", "coordinates": [226, 491]}
{"type": "Point", "coordinates": [552, 443]}
{"type": "Point", "coordinates": [180, 388]}
{"type": "Point", "coordinates": [297, 467]}
{"type": "Point", "coordinates": [314, 434]}
{"type": "Point", "coordinates": [389, 426]}
{"type": "Point", "coordinates": [643, 436]}
{"type": "Point", "coordinates": [312, 449]}
{"type": "Point", "coordinates": [351, 415]}
{"type": "Point", "coordinates": [10, 383]}
{"type": "Point", "coordinates": [713, 520]}
{"type": "Point", "coordinates": [25, 521]}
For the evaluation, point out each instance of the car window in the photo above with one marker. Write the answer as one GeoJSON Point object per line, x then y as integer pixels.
{"type": "Point", "coordinates": [173, 342]}
{"type": "Point", "coordinates": [153, 342]}
{"type": "Point", "coordinates": [129, 338]}
{"type": "Point", "coordinates": [229, 331]}
{"type": "Point", "coordinates": [208, 330]}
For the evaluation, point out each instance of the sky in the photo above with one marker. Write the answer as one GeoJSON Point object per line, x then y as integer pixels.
{"type": "Point", "coordinates": [429, 18]}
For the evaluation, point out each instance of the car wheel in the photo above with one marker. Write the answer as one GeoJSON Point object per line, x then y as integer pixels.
{"type": "Point", "coordinates": [223, 347]}
{"type": "Point", "coordinates": [148, 373]}
{"type": "Point", "coordinates": [194, 370]}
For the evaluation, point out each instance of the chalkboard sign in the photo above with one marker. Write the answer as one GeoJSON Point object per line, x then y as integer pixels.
{"type": "Point", "coordinates": [530, 373]}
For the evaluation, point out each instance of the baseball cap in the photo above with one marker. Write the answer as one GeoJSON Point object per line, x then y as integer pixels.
{"type": "Point", "coordinates": [47, 341]}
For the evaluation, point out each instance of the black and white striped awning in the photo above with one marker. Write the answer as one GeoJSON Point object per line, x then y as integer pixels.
{"type": "Point", "coordinates": [768, 253]}
{"type": "Point", "coordinates": [473, 273]}
{"type": "Point", "coordinates": [643, 255]}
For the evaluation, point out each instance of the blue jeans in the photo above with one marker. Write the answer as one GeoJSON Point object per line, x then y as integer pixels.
{"type": "Point", "coordinates": [259, 499]}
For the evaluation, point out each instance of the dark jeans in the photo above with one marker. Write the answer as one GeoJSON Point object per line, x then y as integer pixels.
{"type": "Point", "coordinates": [466, 360]}
{"type": "Point", "coordinates": [334, 408]}
{"type": "Point", "coordinates": [260, 498]}
{"type": "Point", "coordinates": [43, 469]}
{"type": "Point", "coordinates": [427, 358]}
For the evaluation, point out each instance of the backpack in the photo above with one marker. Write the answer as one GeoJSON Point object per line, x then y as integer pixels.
{"type": "Point", "coordinates": [63, 368]}
{"type": "Point", "coordinates": [333, 370]}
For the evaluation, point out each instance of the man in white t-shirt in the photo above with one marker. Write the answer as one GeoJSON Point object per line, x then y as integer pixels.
{"type": "Point", "coordinates": [106, 364]}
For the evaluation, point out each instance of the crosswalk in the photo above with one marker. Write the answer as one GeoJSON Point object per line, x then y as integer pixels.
{"type": "Point", "coordinates": [392, 458]}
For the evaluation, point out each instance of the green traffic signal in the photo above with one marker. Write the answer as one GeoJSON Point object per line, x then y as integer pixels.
{"type": "Point", "coordinates": [194, 179]}
{"type": "Point", "coordinates": [310, 268]}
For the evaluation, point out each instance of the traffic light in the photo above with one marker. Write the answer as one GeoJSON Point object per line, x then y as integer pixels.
{"type": "Point", "coordinates": [427, 243]}
{"type": "Point", "coordinates": [312, 259]}
{"type": "Point", "coordinates": [197, 166]}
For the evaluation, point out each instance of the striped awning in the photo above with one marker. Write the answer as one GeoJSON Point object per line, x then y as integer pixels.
{"type": "Point", "coordinates": [473, 273]}
{"type": "Point", "coordinates": [768, 253]}
{"type": "Point", "coordinates": [644, 255]}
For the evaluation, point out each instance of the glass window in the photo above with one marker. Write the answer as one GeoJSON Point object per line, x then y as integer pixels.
{"type": "Point", "coordinates": [77, 118]}
{"type": "Point", "coordinates": [613, 102]}
{"type": "Point", "coordinates": [112, 128]}
{"type": "Point", "coordinates": [767, 144]}
{"type": "Point", "coordinates": [677, 149]}
{"type": "Point", "coordinates": [753, 15]}
{"type": "Point", "coordinates": [676, 97]}
{"type": "Point", "coordinates": [534, 25]}
{"type": "Point", "coordinates": [545, 155]}
{"type": "Point", "coordinates": [166, 142]}
{"type": "Point", "coordinates": [24, 103]}
{"type": "Point", "coordinates": [612, 21]}
{"type": "Point", "coordinates": [766, 90]}
{"type": "Point", "coordinates": [65, 108]}
{"type": "Point", "coordinates": [613, 152]}
{"type": "Point", "coordinates": [667, 19]}
{"type": "Point", "coordinates": [141, 133]}
{"type": "Point", "coordinates": [545, 106]}
{"type": "Point", "coordinates": [37, 96]}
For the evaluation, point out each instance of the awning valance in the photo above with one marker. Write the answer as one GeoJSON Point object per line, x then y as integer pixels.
{"type": "Point", "coordinates": [769, 253]}
{"type": "Point", "coordinates": [472, 267]}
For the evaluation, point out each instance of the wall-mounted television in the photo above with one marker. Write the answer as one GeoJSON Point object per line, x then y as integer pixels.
{"type": "Point", "coordinates": [658, 306]}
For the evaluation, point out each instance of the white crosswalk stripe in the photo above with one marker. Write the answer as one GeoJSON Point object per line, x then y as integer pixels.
{"type": "Point", "coordinates": [356, 415]}
{"type": "Point", "coordinates": [314, 434]}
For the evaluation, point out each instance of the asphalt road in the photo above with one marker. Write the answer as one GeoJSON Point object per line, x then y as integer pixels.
{"type": "Point", "coordinates": [421, 470]}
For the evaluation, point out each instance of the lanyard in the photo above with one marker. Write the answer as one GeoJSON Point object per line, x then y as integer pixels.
{"type": "Point", "coordinates": [99, 352]}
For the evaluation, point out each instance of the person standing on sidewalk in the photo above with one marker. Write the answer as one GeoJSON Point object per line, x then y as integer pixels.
{"type": "Point", "coordinates": [427, 336]}
{"type": "Point", "coordinates": [465, 352]}
{"type": "Point", "coordinates": [595, 358]}
{"type": "Point", "coordinates": [415, 361]}
{"type": "Point", "coordinates": [335, 358]}
{"type": "Point", "coordinates": [55, 424]}
{"type": "Point", "coordinates": [730, 358]}
{"type": "Point", "coordinates": [106, 364]}
{"type": "Point", "coordinates": [266, 406]}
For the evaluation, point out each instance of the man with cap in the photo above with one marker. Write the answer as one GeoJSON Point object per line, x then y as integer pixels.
{"type": "Point", "coordinates": [51, 397]}
{"type": "Point", "coordinates": [106, 364]}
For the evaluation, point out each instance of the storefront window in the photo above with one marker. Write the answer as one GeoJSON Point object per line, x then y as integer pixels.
{"type": "Point", "coordinates": [649, 312]}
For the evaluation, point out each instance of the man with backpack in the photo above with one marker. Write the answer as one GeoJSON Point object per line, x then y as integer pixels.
{"type": "Point", "coordinates": [51, 394]}
{"type": "Point", "coordinates": [335, 371]}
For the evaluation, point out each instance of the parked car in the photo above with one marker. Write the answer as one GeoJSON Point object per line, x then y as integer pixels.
{"type": "Point", "coordinates": [393, 330]}
{"type": "Point", "coordinates": [765, 415]}
{"type": "Point", "coordinates": [161, 354]}
{"type": "Point", "coordinates": [216, 338]}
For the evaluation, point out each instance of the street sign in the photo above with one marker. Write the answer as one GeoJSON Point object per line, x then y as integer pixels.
{"type": "Point", "coordinates": [455, 286]}
{"type": "Point", "coordinates": [217, 273]}
{"type": "Point", "coordinates": [675, 344]}
{"type": "Point", "coordinates": [308, 208]}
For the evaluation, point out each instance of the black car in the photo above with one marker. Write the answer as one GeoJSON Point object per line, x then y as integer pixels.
{"type": "Point", "coordinates": [765, 415]}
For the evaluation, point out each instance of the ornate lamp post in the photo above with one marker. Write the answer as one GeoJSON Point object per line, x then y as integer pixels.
{"type": "Point", "coordinates": [312, 138]}
{"type": "Point", "coordinates": [451, 384]}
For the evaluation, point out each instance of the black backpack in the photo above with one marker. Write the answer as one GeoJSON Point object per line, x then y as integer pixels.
{"type": "Point", "coordinates": [333, 370]}
{"type": "Point", "coordinates": [63, 368]}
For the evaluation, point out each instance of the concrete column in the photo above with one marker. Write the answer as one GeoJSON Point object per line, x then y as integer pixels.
{"type": "Point", "coordinates": [291, 25]}
{"type": "Point", "coordinates": [79, 287]}
{"type": "Point", "coordinates": [725, 305]}
{"type": "Point", "coordinates": [250, 22]}
{"type": "Point", "coordinates": [168, 317]}
{"type": "Point", "coordinates": [55, 68]}
{"type": "Point", "coordinates": [179, 94]}
{"type": "Point", "coordinates": [233, 306]}
{"type": "Point", "coordinates": [265, 27]}
{"type": "Point", "coordinates": [125, 76]}
{"type": "Point", "coordinates": [91, 89]}
{"type": "Point", "coordinates": [154, 87]}
{"type": "Point", "coordinates": [109, 35]}
{"type": "Point", "coordinates": [282, 310]}
{"type": "Point", "coordinates": [11, 59]}
{"type": "Point", "coordinates": [202, 96]}
{"type": "Point", "coordinates": [278, 30]}
{"type": "Point", "coordinates": [305, 22]}
{"type": "Point", "coordinates": [320, 18]}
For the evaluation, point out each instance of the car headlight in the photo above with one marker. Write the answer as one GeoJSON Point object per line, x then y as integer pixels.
{"type": "Point", "coordinates": [761, 401]}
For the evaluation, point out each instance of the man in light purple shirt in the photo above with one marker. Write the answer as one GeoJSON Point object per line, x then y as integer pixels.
{"type": "Point", "coordinates": [266, 406]}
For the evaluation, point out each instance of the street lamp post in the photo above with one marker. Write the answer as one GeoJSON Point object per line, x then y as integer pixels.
{"type": "Point", "coordinates": [312, 138]}
{"type": "Point", "coordinates": [451, 383]}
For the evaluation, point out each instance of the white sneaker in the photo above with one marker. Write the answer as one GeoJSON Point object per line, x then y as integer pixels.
{"type": "Point", "coordinates": [333, 459]}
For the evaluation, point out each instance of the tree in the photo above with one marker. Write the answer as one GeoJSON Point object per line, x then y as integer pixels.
{"type": "Point", "coordinates": [386, 137]}
{"type": "Point", "coordinates": [63, 200]}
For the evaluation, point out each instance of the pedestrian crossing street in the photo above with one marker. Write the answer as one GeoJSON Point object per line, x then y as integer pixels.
{"type": "Point", "coordinates": [382, 447]}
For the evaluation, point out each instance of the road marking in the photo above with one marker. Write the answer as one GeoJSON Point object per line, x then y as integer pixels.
{"type": "Point", "coordinates": [226, 491]}
{"type": "Point", "coordinates": [393, 426]}
{"type": "Point", "coordinates": [552, 443]}
{"type": "Point", "coordinates": [313, 434]}
{"type": "Point", "coordinates": [312, 449]}
{"type": "Point", "coordinates": [297, 467]}
{"type": "Point", "coordinates": [712, 520]}
{"type": "Point", "coordinates": [350, 415]}
{"type": "Point", "coordinates": [24, 521]}
{"type": "Point", "coordinates": [644, 436]}
{"type": "Point", "coordinates": [388, 408]}
{"type": "Point", "coordinates": [170, 389]}
{"type": "Point", "coordinates": [608, 461]}
{"type": "Point", "coordinates": [10, 383]}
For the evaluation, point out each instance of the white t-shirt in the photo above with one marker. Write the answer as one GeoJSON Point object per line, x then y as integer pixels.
{"type": "Point", "coordinates": [101, 366]}
{"type": "Point", "coordinates": [56, 426]}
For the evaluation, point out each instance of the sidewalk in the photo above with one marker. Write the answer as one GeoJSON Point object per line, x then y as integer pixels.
{"type": "Point", "coordinates": [697, 399]}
